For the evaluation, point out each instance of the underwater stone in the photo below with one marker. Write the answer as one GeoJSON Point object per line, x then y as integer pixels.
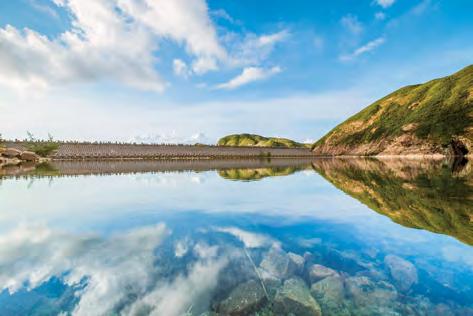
{"type": "Point", "coordinates": [318, 272]}
{"type": "Point", "coordinates": [278, 264]}
{"type": "Point", "coordinates": [369, 298]}
{"type": "Point", "coordinates": [330, 293]}
{"type": "Point", "coordinates": [402, 271]}
{"type": "Point", "coordinates": [294, 298]}
{"type": "Point", "coordinates": [297, 261]}
{"type": "Point", "coordinates": [244, 299]}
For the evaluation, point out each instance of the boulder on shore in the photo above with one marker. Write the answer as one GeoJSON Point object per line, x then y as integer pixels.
{"type": "Point", "coordinates": [29, 156]}
{"type": "Point", "coordinates": [11, 153]}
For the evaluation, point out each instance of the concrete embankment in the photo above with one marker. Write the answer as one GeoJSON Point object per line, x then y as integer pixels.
{"type": "Point", "coordinates": [145, 151]}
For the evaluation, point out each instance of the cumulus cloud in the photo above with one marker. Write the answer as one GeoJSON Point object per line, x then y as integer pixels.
{"type": "Point", "coordinates": [110, 40]}
{"type": "Point", "coordinates": [385, 3]}
{"type": "Point", "coordinates": [370, 46]}
{"type": "Point", "coordinates": [118, 40]}
{"type": "Point", "coordinates": [248, 75]}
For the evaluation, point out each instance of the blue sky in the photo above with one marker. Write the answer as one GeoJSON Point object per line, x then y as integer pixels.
{"type": "Point", "coordinates": [186, 70]}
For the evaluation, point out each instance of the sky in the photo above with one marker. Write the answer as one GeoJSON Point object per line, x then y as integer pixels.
{"type": "Point", "coordinates": [195, 70]}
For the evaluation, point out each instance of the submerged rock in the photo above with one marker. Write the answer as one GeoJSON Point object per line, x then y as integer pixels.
{"type": "Point", "coordinates": [294, 298]}
{"type": "Point", "coordinates": [244, 299]}
{"type": "Point", "coordinates": [297, 261]}
{"type": "Point", "coordinates": [369, 298]}
{"type": "Point", "coordinates": [330, 293]}
{"type": "Point", "coordinates": [318, 272]}
{"type": "Point", "coordinates": [278, 264]}
{"type": "Point", "coordinates": [402, 271]}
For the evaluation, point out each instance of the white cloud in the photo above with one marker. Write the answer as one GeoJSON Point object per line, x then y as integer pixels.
{"type": "Point", "coordinates": [170, 138]}
{"type": "Point", "coordinates": [379, 16]}
{"type": "Point", "coordinates": [110, 40]}
{"type": "Point", "coordinates": [118, 40]}
{"type": "Point", "coordinates": [180, 68]}
{"type": "Point", "coordinates": [177, 297]}
{"type": "Point", "coordinates": [370, 46]}
{"type": "Point", "coordinates": [222, 14]}
{"type": "Point", "coordinates": [352, 24]}
{"type": "Point", "coordinates": [251, 240]}
{"type": "Point", "coordinates": [43, 8]}
{"type": "Point", "coordinates": [33, 254]}
{"type": "Point", "coordinates": [251, 49]}
{"type": "Point", "coordinates": [385, 3]}
{"type": "Point", "coordinates": [248, 75]}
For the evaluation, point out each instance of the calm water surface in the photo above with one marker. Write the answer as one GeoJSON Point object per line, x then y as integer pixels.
{"type": "Point", "coordinates": [328, 237]}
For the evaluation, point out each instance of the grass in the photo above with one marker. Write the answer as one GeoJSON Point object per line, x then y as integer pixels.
{"type": "Point", "coordinates": [440, 109]}
{"type": "Point", "coordinates": [259, 141]}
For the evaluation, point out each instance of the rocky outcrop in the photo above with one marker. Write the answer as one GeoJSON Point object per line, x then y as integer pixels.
{"type": "Point", "coordinates": [13, 156]}
{"type": "Point", "coordinates": [29, 156]}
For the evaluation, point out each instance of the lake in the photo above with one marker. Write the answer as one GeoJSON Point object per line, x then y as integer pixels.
{"type": "Point", "coordinates": [257, 237]}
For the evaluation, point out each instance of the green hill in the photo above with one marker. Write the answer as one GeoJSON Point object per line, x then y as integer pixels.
{"type": "Point", "coordinates": [259, 141]}
{"type": "Point", "coordinates": [431, 118]}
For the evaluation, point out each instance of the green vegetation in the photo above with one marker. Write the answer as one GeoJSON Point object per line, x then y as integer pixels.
{"type": "Point", "coordinates": [424, 197]}
{"type": "Point", "coordinates": [435, 112]}
{"type": "Point", "coordinates": [256, 174]}
{"type": "Point", "coordinates": [259, 141]}
{"type": "Point", "coordinates": [41, 147]}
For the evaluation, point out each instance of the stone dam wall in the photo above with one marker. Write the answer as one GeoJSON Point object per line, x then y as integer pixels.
{"type": "Point", "coordinates": [146, 151]}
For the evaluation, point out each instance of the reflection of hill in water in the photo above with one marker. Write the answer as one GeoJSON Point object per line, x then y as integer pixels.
{"type": "Point", "coordinates": [257, 174]}
{"type": "Point", "coordinates": [420, 194]}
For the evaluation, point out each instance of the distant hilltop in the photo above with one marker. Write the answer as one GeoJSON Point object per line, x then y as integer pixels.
{"type": "Point", "coordinates": [252, 140]}
{"type": "Point", "coordinates": [434, 118]}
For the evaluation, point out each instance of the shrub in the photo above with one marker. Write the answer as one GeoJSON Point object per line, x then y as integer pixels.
{"type": "Point", "coordinates": [40, 147]}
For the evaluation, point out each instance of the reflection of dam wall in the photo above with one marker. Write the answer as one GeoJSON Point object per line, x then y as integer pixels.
{"type": "Point", "coordinates": [97, 167]}
{"type": "Point", "coordinates": [108, 150]}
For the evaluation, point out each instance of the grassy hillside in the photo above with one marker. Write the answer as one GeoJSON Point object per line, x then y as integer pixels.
{"type": "Point", "coordinates": [420, 196]}
{"type": "Point", "coordinates": [258, 141]}
{"type": "Point", "coordinates": [424, 118]}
